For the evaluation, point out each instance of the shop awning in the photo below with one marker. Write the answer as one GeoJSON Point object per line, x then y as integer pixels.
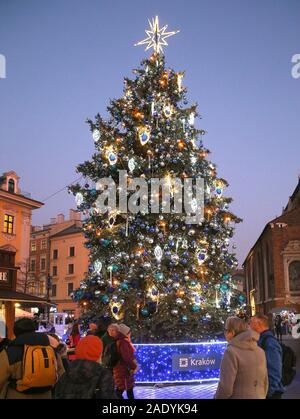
{"type": "Point", "coordinates": [24, 299]}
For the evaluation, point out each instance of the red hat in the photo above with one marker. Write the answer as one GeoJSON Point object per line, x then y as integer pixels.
{"type": "Point", "coordinates": [89, 348]}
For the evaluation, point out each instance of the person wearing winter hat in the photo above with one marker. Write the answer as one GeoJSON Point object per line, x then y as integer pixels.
{"type": "Point", "coordinates": [86, 378]}
{"type": "Point", "coordinates": [127, 366]}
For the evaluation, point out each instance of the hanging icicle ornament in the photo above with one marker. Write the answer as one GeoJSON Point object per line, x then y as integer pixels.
{"type": "Point", "coordinates": [96, 135]}
{"type": "Point", "coordinates": [192, 118]}
{"type": "Point", "coordinates": [98, 267]}
{"type": "Point", "coordinates": [131, 165]}
{"type": "Point", "coordinates": [127, 226]}
{"type": "Point", "coordinates": [79, 199]}
{"type": "Point", "coordinates": [112, 157]}
{"type": "Point", "coordinates": [158, 253]}
{"type": "Point", "coordinates": [179, 81]}
{"type": "Point", "coordinates": [144, 134]}
{"type": "Point", "coordinates": [153, 110]}
{"type": "Point", "coordinates": [110, 269]}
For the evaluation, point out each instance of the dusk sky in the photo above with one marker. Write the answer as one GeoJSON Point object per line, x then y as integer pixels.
{"type": "Point", "coordinates": [66, 58]}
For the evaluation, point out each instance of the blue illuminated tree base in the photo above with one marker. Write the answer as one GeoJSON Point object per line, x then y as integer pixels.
{"type": "Point", "coordinates": [179, 362]}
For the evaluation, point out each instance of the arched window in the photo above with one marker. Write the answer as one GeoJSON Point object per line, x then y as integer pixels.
{"type": "Point", "coordinates": [11, 185]}
{"type": "Point", "coordinates": [294, 275]}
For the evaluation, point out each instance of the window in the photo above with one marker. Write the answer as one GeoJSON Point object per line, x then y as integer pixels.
{"type": "Point", "coordinates": [55, 254]}
{"type": "Point", "coordinates": [43, 287]}
{"type": "Point", "coordinates": [54, 272]}
{"type": "Point", "coordinates": [43, 264]}
{"type": "Point", "coordinates": [72, 251]}
{"type": "Point", "coordinates": [294, 276]}
{"type": "Point", "coordinates": [53, 290]}
{"type": "Point", "coordinates": [3, 277]}
{"type": "Point", "coordinates": [71, 269]}
{"type": "Point", "coordinates": [31, 289]}
{"type": "Point", "coordinates": [11, 185]}
{"type": "Point", "coordinates": [33, 246]}
{"type": "Point", "coordinates": [44, 244]}
{"type": "Point", "coordinates": [70, 287]}
{"type": "Point", "coordinates": [8, 224]}
{"type": "Point", "coordinates": [32, 265]}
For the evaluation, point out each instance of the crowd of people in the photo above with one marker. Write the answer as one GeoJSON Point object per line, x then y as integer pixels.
{"type": "Point", "coordinates": [103, 365]}
{"type": "Point", "coordinates": [100, 365]}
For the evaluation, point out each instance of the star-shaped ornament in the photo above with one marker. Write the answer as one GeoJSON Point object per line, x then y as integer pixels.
{"type": "Point", "coordinates": [156, 36]}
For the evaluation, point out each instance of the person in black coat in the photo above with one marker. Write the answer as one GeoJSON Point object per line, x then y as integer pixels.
{"type": "Point", "coordinates": [86, 378]}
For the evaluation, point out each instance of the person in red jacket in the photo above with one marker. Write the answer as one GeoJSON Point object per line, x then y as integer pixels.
{"type": "Point", "coordinates": [127, 366]}
{"type": "Point", "coordinates": [74, 339]}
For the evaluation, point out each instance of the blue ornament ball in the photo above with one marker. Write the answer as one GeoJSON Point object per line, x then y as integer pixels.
{"type": "Point", "coordinates": [145, 312]}
{"type": "Point", "coordinates": [242, 298]}
{"type": "Point", "coordinates": [195, 308]}
{"type": "Point", "coordinates": [105, 299]}
{"type": "Point", "coordinates": [184, 319]}
{"type": "Point", "coordinates": [224, 287]}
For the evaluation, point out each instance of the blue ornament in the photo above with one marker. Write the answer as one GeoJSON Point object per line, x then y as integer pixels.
{"type": "Point", "coordinates": [242, 298]}
{"type": "Point", "coordinates": [111, 289]}
{"type": "Point", "coordinates": [226, 277]}
{"type": "Point", "coordinates": [224, 287]}
{"type": "Point", "coordinates": [159, 276]}
{"type": "Point", "coordinates": [124, 286]}
{"type": "Point", "coordinates": [145, 312]}
{"type": "Point", "coordinates": [105, 299]}
{"type": "Point", "coordinates": [195, 308]}
{"type": "Point", "coordinates": [184, 319]}
{"type": "Point", "coordinates": [105, 242]}
{"type": "Point", "coordinates": [115, 310]}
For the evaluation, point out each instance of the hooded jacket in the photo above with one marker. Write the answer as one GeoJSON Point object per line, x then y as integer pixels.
{"type": "Point", "coordinates": [11, 360]}
{"type": "Point", "coordinates": [85, 380]}
{"type": "Point", "coordinates": [243, 369]}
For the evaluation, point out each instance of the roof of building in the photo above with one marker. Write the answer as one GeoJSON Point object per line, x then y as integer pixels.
{"type": "Point", "coordinates": [294, 200]}
{"type": "Point", "coordinates": [73, 229]}
{"type": "Point", "coordinates": [290, 216]}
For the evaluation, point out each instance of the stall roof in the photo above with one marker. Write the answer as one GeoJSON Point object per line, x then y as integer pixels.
{"type": "Point", "coordinates": [19, 297]}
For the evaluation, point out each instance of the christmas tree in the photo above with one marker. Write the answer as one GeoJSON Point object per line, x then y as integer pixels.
{"type": "Point", "coordinates": [168, 279]}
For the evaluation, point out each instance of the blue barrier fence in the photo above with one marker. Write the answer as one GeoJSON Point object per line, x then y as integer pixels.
{"type": "Point", "coordinates": [179, 362]}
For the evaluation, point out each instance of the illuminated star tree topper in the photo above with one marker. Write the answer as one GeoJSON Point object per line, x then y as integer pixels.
{"type": "Point", "coordinates": [156, 36]}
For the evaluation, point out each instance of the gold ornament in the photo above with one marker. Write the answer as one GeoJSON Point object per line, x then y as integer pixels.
{"type": "Point", "coordinates": [144, 134]}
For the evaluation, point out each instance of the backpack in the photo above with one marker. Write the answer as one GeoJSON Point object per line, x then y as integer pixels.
{"type": "Point", "coordinates": [110, 356]}
{"type": "Point", "coordinates": [288, 362]}
{"type": "Point", "coordinates": [39, 369]}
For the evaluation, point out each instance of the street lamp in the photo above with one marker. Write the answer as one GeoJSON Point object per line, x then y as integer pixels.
{"type": "Point", "coordinates": [49, 285]}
